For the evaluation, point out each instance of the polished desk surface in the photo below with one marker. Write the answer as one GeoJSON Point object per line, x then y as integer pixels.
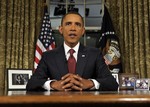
{"type": "Point", "coordinates": [83, 98]}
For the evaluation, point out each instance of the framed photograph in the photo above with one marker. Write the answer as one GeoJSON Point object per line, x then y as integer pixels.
{"type": "Point", "coordinates": [18, 78]}
{"type": "Point", "coordinates": [127, 81]}
{"type": "Point", "coordinates": [141, 84]}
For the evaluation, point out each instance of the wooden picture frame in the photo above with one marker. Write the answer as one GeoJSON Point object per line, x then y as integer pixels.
{"type": "Point", "coordinates": [127, 81]}
{"type": "Point", "coordinates": [18, 78]}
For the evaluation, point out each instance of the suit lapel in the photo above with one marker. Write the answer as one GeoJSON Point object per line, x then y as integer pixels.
{"type": "Point", "coordinates": [82, 58]}
{"type": "Point", "coordinates": [61, 61]}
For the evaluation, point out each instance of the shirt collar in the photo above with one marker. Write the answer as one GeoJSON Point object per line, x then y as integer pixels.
{"type": "Point", "coordinates": [67, 48]}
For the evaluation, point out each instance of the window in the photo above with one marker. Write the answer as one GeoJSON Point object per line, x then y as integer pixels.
{"type": "Point", "coordinates": [91, 10]}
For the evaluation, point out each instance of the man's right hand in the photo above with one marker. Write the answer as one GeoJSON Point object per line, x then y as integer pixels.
{"type": "Point", "coordinates": [71, 82]}
{"type": "Point", "coordinates": [62, 85]}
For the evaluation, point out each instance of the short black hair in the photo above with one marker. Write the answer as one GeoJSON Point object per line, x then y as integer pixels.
{"type": "Point", "coordinates": [72, 12]}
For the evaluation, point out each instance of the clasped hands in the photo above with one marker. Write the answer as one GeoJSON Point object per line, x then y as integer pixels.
{"type": "Point", "coordinates": [72, 82]}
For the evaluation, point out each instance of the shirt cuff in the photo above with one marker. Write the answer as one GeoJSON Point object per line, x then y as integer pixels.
{"type": "Point", "coordinates": [47, 86]}
{"type": "Point", "coordinates": [96, 84]}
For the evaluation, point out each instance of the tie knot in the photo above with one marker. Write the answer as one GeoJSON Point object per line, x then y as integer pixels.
{"type": "Point", "coordinates": [71, 51]}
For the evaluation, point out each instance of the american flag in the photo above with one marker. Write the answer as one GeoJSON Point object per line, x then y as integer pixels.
{"type": "Point", "coordinates": [45, 41]}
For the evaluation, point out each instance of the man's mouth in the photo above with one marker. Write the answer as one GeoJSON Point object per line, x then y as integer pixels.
{"type": "Point", "coordinates": [72, 35]}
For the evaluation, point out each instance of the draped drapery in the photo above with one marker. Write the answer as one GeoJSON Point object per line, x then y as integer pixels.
{"type": "Point", "coordinates": [20, 22]}
{"type": "Point", "coordinates": [131, 19]}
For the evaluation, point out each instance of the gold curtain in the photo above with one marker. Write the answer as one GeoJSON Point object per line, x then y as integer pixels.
{"type": "Point", "coordinates": [131, 19]}
{"type": "Point", "coordinates": [19, 28]}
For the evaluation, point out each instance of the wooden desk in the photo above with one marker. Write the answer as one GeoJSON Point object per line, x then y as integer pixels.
{"type": "Point", "coordinates": [76, 99]}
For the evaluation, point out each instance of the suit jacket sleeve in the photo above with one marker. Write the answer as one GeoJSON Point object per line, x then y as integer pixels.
{"type": "Point", "coordinates": [96, 68]}
{"type": "Point", "coordinates": [104, 76]}
{"type": "Point", "coordinates": [39, 77]}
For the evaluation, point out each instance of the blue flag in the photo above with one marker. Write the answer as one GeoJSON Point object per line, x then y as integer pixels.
{"type": "Point", "coordinates": [108, 42]}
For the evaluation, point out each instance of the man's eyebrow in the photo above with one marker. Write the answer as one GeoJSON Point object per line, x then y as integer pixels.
{"type": "Point", "coordinates": [78, 22]}
{"type": "Point", "coordinates": [68, 22]}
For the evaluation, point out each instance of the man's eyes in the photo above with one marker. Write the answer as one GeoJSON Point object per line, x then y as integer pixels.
{"type": "Point", "coordinates": [77, 24]}
{"type": "Point", "coordinates": [68, 23]}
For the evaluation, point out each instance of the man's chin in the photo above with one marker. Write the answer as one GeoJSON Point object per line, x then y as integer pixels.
{"type": "Point", "coordinates": [72, 43]}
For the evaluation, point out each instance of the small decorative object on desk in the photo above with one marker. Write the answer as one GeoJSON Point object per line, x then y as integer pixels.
{"type": "Point", "coordinates": [18, 78]}
{"type": "Point", "coordinates": [127, 81]}
{"type": "Point", "coordinates": [141, 84]}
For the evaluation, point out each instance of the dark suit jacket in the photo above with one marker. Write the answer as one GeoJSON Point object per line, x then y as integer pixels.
{"type": "Point", "coordinates": [90, 65]}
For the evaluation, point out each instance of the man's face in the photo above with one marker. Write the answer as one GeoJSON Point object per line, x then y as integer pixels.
{"type": "Point", "coordinates": [72, 29]}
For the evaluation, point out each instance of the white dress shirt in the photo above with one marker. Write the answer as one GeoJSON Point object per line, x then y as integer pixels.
{"type": "Point", "coordinates": [67, 48]}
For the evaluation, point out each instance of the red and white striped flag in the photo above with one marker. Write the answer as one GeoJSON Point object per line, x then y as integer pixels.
{"type": "Point", "coordinates": [45, 41]}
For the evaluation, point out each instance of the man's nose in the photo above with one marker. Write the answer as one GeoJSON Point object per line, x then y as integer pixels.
{"type": "Point", "coordinates": [73, 27]}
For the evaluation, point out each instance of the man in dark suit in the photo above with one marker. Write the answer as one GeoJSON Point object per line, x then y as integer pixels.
{"type": "Point", "coordinates": [91, 72]}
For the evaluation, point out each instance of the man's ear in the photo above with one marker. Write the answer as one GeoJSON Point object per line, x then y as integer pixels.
{"type": "Point", "coordinates": [83, 31]}
{"type": "Point", "coordinates": [60, 30]}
